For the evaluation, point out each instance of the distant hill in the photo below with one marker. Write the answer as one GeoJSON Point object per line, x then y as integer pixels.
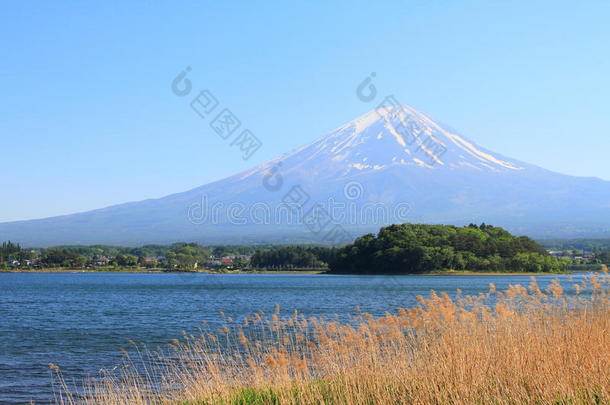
{"type": "Point", "coordinates": [391, 165]}
{"type": "Point", "coordinates": [576, 244]}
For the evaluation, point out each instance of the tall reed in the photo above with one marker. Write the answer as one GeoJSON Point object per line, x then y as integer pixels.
{"type": "Point", "coordinates": [524, 345]}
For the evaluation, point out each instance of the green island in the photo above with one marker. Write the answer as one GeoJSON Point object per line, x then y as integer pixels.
{"type": "Point", "coordinates": [428, 248]}
{"type": "Point", "coordinates": [396, 249]}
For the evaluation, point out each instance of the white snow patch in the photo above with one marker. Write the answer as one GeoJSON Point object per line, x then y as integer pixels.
{"type": "Point", "coordinates": [422, 163]}
{"type": "Point", "coordinates": [467, 146]}
{"type": "Point", "coordinates": [366, 121]}
{"type": "Point", "coordinates": [360, 166]}
{"type": "Point", "coordinates": [398, 137]}
{"type": "Point", "coordinates": [468, 164]}
{"type": "Point", "coordinates": [430, 153]}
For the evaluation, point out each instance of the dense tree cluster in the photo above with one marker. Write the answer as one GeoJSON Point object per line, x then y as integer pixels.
{"type": "Point", "coordinates": [10, 251]}
{"type": "Point", "coordinates": [414, 248]}
{"type": "Point", "coordinates": [62, 257]}
{"type": "Point", "coordinates": [603, 257]}
{"type": "Point", "coordinates": [187, 255]}
{"type": "Point", "coordinates": [293, 257]}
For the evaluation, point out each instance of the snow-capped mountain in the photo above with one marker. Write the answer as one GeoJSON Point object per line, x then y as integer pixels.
{"type": "Point", "coordinates": [392, 164]}
{"type": "Point", "coordinates": [398, 136]}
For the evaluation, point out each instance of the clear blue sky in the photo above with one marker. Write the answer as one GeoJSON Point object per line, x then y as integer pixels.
{"type": "Point", "coordinates": [87, 118]}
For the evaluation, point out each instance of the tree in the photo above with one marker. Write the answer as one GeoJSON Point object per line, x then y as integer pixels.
{"type": "Point", "coordinates": [54, 257]}
{"type": "Point", "coordinates": [9, 251]}
{"type": "Point", "coordinates": [126, 260]}
{"type": "Point", "coordinates": [292, 257]}
{"type": "Point", "coordinates": [413, 248]}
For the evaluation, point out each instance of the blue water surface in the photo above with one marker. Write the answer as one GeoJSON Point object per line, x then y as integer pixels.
{"type": "Point", "coordinates": [80, 321]}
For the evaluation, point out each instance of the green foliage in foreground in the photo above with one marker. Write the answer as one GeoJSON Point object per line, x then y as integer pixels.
{"type": "Point", "coordinates": [417, 248]}
{"type": "Point", "coordinates": [270, 396]}
{"type": "Point", "coordinates": [275, 395]}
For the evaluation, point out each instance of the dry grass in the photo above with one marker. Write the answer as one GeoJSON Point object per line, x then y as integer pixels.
{"type": "Point", "coordinates": [519, 346]}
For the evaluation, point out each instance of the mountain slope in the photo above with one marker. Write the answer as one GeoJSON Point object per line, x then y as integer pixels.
{"type": "Point", "coordinates": [390, 165]}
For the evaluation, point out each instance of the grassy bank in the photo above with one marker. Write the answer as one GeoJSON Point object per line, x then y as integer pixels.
{"type": "Point", "coordinates": [519, 346]}
{"type": "Point", "coordinates": [303, 271]}
{"type": "Point", "coordinates": [488, 273]}
{"type": "Point", "coordinates": [107, 269]}
{"type": "Point", "coordinates": [123, 269]}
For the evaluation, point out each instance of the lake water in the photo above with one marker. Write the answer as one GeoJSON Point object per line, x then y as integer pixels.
{"type": "Point", "coordinates": [80, 321]}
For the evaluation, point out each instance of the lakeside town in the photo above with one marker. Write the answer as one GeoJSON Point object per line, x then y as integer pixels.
{"type": "Point", "coordinates": [175, 257]}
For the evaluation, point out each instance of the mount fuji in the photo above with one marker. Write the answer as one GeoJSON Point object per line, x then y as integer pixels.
{"type": "Point", "coordinates": [393, 164]}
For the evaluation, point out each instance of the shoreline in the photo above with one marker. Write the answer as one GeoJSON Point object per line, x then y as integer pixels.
{"type": "Point", "coordinates": [159, 271]}
{"type": "Point", "coordinates": [312, 271]}
{"type": "Point", "coordinates": [491, 273]}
